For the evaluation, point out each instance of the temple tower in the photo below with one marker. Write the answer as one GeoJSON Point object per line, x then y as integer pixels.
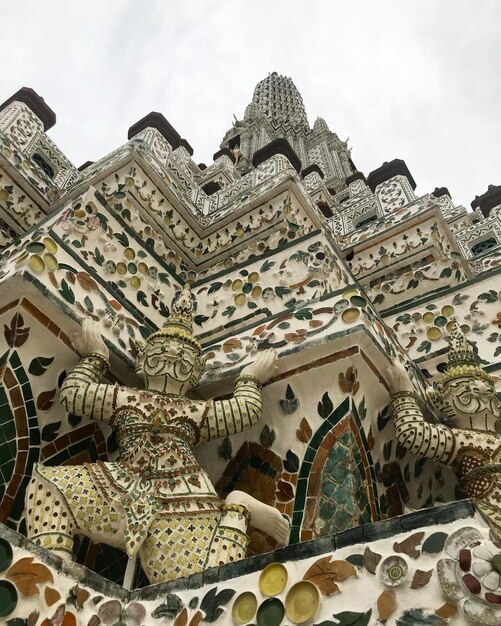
{"type": "Point", "coordinates": [277, 111]}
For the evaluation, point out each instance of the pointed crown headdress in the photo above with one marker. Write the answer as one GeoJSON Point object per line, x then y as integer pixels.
{"type": "Point", "coordinates": [462, 361]}
{"type": "Point", "coordinates": [179, 325]}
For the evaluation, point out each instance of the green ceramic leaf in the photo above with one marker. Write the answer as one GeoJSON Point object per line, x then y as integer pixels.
{"type": "Point", "coordinates": [267, 265]}
{"type": "Point", "coordinates": [489, 296]}
{"type": "Point", "coordinates": [325, 406]}
{"type": "Point", "coordinates": [289, 393]}
{"type": "Point", "coordinates": [404, 319]}
{"type": "Point", "coordinates": [425, 346]}
{"type": "Point", "coordinates": [122, 238]}
{"type": "Point", "coordinates": [88, 304]}
{"type": "Point", "coordinates": [417, 617]}
{"type": "Point", "coordinates": [356, 559]}
{"type": "Point", "coordinates": [170, 608]}
{"type": "Point", "coordinates": [349, 618]}
{"type": "Point", "coordinates": [383, 418]}
{"type": "Point", "coordinates": [303, 314]}
{"type": "Point", "coordinates": [282, 291]}
{"type": "Point", "coordinates": [290, 403]}
{"type": "Point", "coordinates": [164, 278]}
{"type": "Point", "coordinates": [459, 299]}
{"type": "Point", "coordinates": [200, 319]}
{"type": "Point", "coordinates": [362, 410]}
{"type": "Point", "coordinates": [387, 448]}
{"type": "Point", "coordinates": [434, 543]}
{"type": "Point", "coordinates": [215, 287]}
{"type": "Point", "coordinates": [164, 310]}
{"type": "Point", "coordinates": [49, 431]}
{"type": "Point", "coordinates": [67, 292]}
{"type": "Point", "coordinates": [291, 462]}
{"type": "Point", "coordinates": [193, 603]}
{"type": "Point", "coordinates": [39, 365]}
{"type": "Point", "coordinates": [74, 420]}
{"type": "Point", "coordinates": [267, 436]}
{"type": "Point", "coordinates": [224, 449]}
{"type": "Point", "coordinates": [98, 257]}
{"type": "Point", "coordinates": [212, 602]}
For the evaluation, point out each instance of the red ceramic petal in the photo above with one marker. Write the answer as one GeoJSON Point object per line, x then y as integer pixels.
{"type": "Point", "coordinates": [472, 583]}
{"type": "Point", "coordinates": [465, 559]}
{"type": "Point", "coordinates": [494, 598]}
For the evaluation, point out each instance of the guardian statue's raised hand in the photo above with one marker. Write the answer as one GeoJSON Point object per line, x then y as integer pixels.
{"type": "Point", "coordinates": [467, 399]}
{"type": "Point", "coordinates": [154, 500]}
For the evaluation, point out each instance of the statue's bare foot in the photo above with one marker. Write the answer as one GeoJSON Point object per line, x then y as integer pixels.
{"type": "Point", "coordinates": [263, 517]}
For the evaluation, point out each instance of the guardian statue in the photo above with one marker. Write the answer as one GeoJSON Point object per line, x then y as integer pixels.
{"type": "Point", "coordinates": [467, 400]}
{"type": "Point", "coordinates": [155, 500]}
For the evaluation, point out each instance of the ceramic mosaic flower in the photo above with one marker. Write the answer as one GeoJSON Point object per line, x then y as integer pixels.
{"type": "Point", "coordinates": [472, 576]}
{"type": "Point", "coordinates": [300, 604]}
{"type": "Point", "coordinates": [486, 565]}
{"type": "Point", "coordinates": [113, 613]}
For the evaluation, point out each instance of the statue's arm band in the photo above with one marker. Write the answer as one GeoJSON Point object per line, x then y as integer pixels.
{"type": "Point", "coordinates": [82, 394]}
{"type": "Point", "coordinates": [240, 412]}
{"type": "Point", "coordinates": [433, 441]}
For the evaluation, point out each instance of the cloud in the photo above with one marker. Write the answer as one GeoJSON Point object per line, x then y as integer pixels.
{"type": "Point", "coordinates": [413, 80]}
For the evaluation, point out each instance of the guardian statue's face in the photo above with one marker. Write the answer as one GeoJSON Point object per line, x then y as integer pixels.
{"type": "Point", "coordinates": [167, 358]}
{"type": "Point", "coordinates": [470, 403]}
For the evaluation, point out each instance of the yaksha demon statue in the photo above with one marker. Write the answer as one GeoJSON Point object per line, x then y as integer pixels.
{"type": "Point", "coordinates": [154, 500]}
{"type": "Point", "coordinates": [467, 399]}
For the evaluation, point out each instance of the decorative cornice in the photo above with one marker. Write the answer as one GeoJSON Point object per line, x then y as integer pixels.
{"type": "Point", "coordinates": [353, 177]}
{"type": "Point", "coordinates": [441, 191]}
{"type": "Point", "coordinates": [184, 144]}
{"type": "Point", "coordinates": [312, 168]}
{"type": "Point", "coordinates": [85, 165]}
{"type": "Point", "coordinates": [158, 121]}
{"type": "Point", "coordinates": [36, 103]}
{"type": "Point", "coordinates": [224, 152]}
{"type": "Point", "coordinates": [277, 146]}
{"type": "Point", "coordinates": [488, 200]}
{"type": "Point", "coordinates": [397, 167]}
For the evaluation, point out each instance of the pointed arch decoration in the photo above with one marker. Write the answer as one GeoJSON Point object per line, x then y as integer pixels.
{"type": "Point", "coordinates": [336, 487]}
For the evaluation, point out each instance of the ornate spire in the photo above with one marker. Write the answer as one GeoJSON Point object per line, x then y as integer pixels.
{"type": "Point", "coordinates": [280, 101]}
{"type": "Point", "coordinates": [179, 326]}
{"type": "Point", "coordinates": [320, 126]}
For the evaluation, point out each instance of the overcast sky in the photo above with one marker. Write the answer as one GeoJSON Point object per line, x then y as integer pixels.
{"type": "Point", "coordinates": [417, 80]}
